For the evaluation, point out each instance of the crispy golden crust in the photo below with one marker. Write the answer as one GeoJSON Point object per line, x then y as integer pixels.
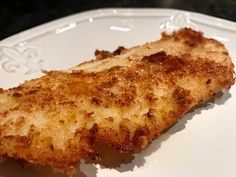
{"type": "Point", "coordinates": [103, 54]}
{"type": "Point", "coordinates": [56, 119]}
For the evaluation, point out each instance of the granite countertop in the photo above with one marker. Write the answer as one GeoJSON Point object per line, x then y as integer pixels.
{"type": "Point", "coordinates": [19, 15]}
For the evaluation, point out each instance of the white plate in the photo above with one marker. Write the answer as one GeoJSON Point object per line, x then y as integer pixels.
{"type": "Point", "coordinates": [202, 146]}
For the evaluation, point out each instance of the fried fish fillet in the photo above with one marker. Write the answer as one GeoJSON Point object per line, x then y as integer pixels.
{"type": "Point", "coordinates": [124, 99]}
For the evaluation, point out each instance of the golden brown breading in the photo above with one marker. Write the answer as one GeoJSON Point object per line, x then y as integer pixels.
{"type": "Point", "coordinates": [124, 99]}
{"type": "Point", "coordinates": [103, 54]}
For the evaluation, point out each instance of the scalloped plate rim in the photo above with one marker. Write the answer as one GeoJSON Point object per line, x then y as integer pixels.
{"type": "Point", "coordinates": [57, 23]}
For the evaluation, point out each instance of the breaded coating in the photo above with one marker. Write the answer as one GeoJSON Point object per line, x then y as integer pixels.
{"type": "Point", "coordinates": [124, 99]}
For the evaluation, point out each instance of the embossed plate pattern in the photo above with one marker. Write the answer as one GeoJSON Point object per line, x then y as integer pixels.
{"type": "Point", "coordinates": [202, 146]}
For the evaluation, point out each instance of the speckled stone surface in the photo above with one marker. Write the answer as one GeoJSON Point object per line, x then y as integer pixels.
{"type": "Point", "coordinates": [19, 15]}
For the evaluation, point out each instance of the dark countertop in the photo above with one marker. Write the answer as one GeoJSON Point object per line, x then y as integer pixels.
{"type": "Point", "coordinates": [19, 15]}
